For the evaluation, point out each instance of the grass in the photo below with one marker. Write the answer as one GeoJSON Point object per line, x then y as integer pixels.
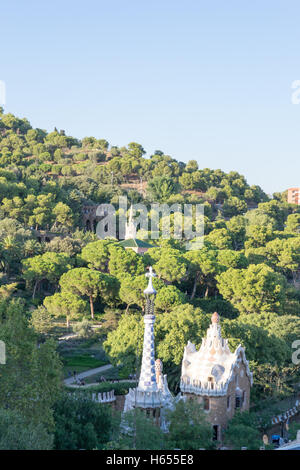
{"type": "Point", "coordinates": [109, 374]}
{"type": "Point", "coordinates": [80, 363]}
{"type": "Point", "coordinates": [83, 361]}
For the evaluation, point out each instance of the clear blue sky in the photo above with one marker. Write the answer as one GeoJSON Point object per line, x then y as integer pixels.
{"type": "Point", "coordinates": [206, 80]}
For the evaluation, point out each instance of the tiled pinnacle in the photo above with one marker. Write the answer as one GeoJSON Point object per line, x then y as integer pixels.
{"type": "Point", "coordinates": [147, 381]}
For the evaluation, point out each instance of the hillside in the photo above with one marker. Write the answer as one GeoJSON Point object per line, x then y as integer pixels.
{"type": "Point", "coordinates": [56, 276]}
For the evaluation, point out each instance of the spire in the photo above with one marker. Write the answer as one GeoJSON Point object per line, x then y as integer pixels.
{"type": "Point", "coordinates": [130, 228]}
{"type": "Point", "coordinates": [215, 318]}
{"type": "Point", "coordinates": [152, 391]}
{"type": "Point", "coordinates": [147, 380]}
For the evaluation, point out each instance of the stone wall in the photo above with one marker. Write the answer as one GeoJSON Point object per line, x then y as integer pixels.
{"type": "Point", "coordinates": [219, 413]}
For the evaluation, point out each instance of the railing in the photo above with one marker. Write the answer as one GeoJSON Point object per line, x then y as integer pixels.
{"type": "Point", "coordinates": [104, 397]}
{"type": "Point", "coordinates": [288, 414]}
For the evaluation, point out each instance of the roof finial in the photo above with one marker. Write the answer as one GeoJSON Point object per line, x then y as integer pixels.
{"type": "Point", "coordinates": [150, 289]}
{"type": "Point", "coordinates": [130, 228]}
{"type": "Point", "coordinates": [215, 318]}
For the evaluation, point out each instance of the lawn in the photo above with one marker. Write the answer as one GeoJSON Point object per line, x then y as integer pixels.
{"type": "Point", "coordinates": [110, 374]}
{"type": "Point", "coordinates": [81, 363]}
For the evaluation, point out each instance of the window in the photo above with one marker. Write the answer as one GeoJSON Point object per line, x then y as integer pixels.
{"type": "Point", "coordinates": [215, 432]}
{"type": "Point", "coordinates": [228, 403]}
{"type": "Point", "coordinates": [206, 403]}
{"type": "Point", "coordinates": [238, 400]}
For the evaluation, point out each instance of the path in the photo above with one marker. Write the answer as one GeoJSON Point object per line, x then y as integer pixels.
{"type": "Point", "coordinates": [82, 387]}
{"type": "Point", "coordinates": [87, 373]}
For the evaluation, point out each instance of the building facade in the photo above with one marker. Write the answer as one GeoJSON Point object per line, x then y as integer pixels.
{"type": "Point", "coordinates": [293, 196]}
{"type": "Point", "coordinates": [216, 378]}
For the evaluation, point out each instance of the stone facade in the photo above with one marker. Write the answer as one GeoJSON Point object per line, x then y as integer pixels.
{"type": "Point", "coordinates": [216, 378]}
{"type": "Point", "coordinates": [90, 217]}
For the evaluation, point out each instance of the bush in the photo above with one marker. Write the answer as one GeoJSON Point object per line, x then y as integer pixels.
{"type": "Point", "coordinates": [81, 423]}
{"type": "Point", "coordinates": [83, 329]}
{"type": "Point", "coordinates": [120, 388]}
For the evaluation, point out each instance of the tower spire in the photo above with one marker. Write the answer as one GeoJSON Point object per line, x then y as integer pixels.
{"type": "Point", "coordinates": [147, 380]}
{"type": "Point", "coordinates": [152, 391]}
{"type": "Point", "coordinates": [130, 228]}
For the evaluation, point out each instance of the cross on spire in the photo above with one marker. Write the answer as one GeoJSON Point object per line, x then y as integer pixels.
{"type": "Point", "coordinates": [150, 289]}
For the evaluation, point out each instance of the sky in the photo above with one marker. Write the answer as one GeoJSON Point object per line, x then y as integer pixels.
{"type": "Point", "coordinates": [204, 80]}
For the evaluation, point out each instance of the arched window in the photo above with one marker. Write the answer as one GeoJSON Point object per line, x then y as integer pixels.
{"type": "Point", "coordinates": [238, 402]}
{"type": "Point", "coordinates": [228, 402]}
{"type": "Point", "coordinates": [215, 432]}
{"type": "Point", "coordinates": [238, 398]}
{"type": "Point", "coordinates": [211, 382]}
{"type": "Point", "coordinates": [206, 403]}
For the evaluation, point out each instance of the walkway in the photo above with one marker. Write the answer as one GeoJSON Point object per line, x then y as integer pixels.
{"type": "Point", "coordinates": [82, 387]}
{"type": "Point", "coordinates": [87, 373]}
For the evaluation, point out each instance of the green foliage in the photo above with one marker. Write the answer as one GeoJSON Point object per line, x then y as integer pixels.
{"type": "Point", "coordinates": [161, 188]}
{"type": "Point", "coordinates": [293, 223]}
{"type": "Point", "coordinates": [137, 431]}
{"type": "Point", "coordinates": [66, 304]}
{"type": "Point", "coordinates": [188, 427]}
{"type": "Point", "coordinates": [169, 297]}
{"type": "Point", "coordinates": [80, 423]}
{"type": "Point", "coordinates": [234, 206]}
{"type": "Point", "coordinates": [293, 430]}
{"type": "Point", "coordinates": [49, 266]}
{"type": "Point", "coordinates": [123, 262]}
{"type": "Point", "coordinates": [83, 329]}
{"type": "Point", "coordinates": [220, 238]}
{"type": "Point", "coordinates": [89, 283]}
{"type": "Point", "coordinates": [17, 433]}
{"type": "Point", "coordinates": [85, 361]}
{"type": "Point", "coordinates": [246, 269]}
{"type": "Point", "coordinates": [261, 346]}
{"type": "Point", "coordinates": [132, 290]}
{"type": "Point", "coordinates": [41, 320]}
{"type": "Point", "coordinates": [256, 289]}
{"type": "Point", "coordinates": [173, 330]}
{"type": "Point", "coordinates": [272, 383]}
{"type": "Point", "coordinates": [97, 254]}
{"type": "Point", "coordinates": [31, 378]}
{"type": "Point", "coordinates": [120, 388]}
{"type": "Point", "coordinates": [124, 343]}
{"type": "Point", "coordinates": [203, 268]}
{"type": "Point", "coordinates": [242, 433]}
